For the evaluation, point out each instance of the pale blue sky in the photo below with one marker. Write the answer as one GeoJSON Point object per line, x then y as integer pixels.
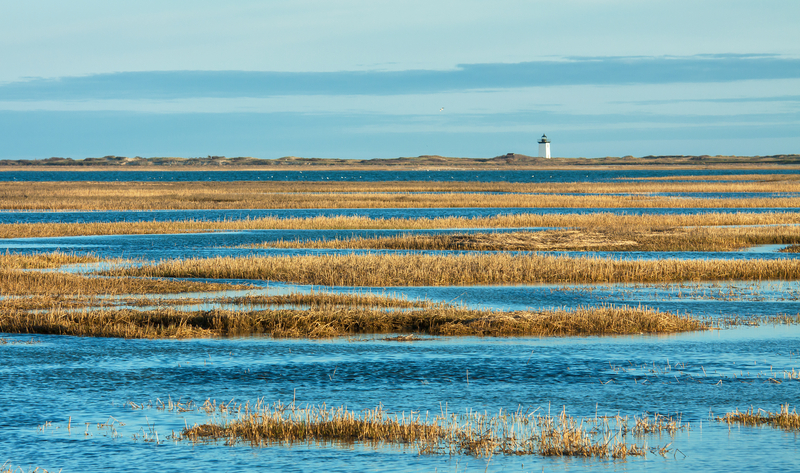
{"type": "Point", "coordinates": [363, 79]}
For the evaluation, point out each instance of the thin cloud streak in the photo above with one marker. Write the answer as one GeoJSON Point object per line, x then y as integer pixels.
{"type": "Point", "coordinates": [163, 85]}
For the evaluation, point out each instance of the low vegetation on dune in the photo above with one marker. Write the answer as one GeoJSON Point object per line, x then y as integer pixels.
{"type": "Point", "coordinates": [334, 320]}
{"type": "Point", "coordinates": [406, 269]}
{"type": "Point", "coordinates": [508, 161]}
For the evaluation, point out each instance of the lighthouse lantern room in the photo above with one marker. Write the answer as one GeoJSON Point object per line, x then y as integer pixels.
{"type": "Point", "coordinates": [544, 147]}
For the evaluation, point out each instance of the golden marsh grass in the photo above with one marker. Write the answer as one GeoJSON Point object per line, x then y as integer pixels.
{"type": "Point", "coordinates": [244, 195]}
{"type": "Point", "coordinates": [46, 301]}
{"type": "Point", "coordinates": [380, 270]}
{"type": "Point", "coordinates": [43, 260]}
{"type": "Point", "coordinates": [601, 239]}
{"type": "Point", "coordinates": [18, 282]}
{"type": "Point", "coordinates": [333, 321]}
{"type": "Point", "coordinates": [784, 419]}
{"type": "Point", "coordinates": [480, 435]}
{"type": "Point", "coordinates": [324, 299]}
{"type": "Point", "coordinates": [313, 299]}
{"type": "Point", "coordinates": [592, 221]}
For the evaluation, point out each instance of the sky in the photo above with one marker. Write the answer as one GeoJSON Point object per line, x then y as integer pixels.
{"type": "Point", "coordinates": [382, 79]}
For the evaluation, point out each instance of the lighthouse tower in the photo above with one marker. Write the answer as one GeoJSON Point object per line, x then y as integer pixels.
{"type": "Point", "coordinates": [544, 147]}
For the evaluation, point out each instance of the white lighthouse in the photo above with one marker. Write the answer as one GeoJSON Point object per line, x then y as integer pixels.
{"type": "Point", "coordinates": [544, 147]}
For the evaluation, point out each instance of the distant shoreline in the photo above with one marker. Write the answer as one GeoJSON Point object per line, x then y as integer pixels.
{"type": "Point", "coordinates": [509, 161]}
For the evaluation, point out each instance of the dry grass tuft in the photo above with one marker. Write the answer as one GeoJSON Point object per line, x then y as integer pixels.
{"type": "Point", "coordinates": [60, 285]}
{"type": "Point", "coordinates": [473, 434]}
{"type": "Point", "coordinates": [43, 260]}
{"type": "Point", "coordinates": [784, 419]}
{"type": "Point", "coordinates": [658, 424]}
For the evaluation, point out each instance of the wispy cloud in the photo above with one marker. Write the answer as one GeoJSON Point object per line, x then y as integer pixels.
{"type": "Point", "coordinates": [779, 98]}
{"type": "Point", "coordinates": [161, 85]}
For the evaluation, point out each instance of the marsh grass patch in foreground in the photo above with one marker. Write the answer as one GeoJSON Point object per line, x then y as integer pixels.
{"type": "Point", "coordinates": [332, 321]}
{"type": "Point", "coordinates": [480, 435]}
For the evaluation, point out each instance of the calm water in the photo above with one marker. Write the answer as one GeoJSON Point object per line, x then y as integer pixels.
{"type": "Point", "coordinates": [91, 380]}
{"type": "Point", "coordinates": [239, 214]}
{"type": "Point", "coordinates": [371, 176]}
{"type": "Point", "coordinates": [697, 375]}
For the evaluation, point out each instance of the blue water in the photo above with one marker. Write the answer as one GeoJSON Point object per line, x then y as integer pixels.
{"type": "Point", "coordinates": [243, 214]}
{"type": "Point", "coordinates": [372, 176]}
{"type": "Point", "coordinates": [91, 380]}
